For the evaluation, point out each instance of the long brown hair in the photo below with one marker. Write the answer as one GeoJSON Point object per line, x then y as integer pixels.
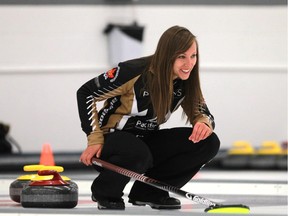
{"type": "Point", "coordinates": [174, 41]}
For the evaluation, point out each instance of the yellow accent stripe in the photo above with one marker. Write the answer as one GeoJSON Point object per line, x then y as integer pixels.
{"type": "Point", "coordinates": [230, 210]}
{"type": "Point", "coordinates": [35, 167]}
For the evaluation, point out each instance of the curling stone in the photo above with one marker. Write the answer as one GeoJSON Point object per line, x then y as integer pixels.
{"type": "Point", "coordinates": [58, 169]}
{"type": "Point", "coordinates": [238, 156]}
{"type": "Point", "coordinates": [17, 185]}
{"type": "Point", "coordinates": [266, 156]}
{"type": "Point", "coordinates": [54, 193]}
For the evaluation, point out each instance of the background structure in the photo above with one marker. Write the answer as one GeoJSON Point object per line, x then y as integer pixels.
{"type": "Point", "coordinates": [49, 48]}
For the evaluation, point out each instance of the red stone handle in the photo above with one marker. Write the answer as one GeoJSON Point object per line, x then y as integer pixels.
{"type": "Point", "coordinates": [56, 180]}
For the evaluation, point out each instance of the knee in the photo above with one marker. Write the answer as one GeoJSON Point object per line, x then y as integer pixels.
{"type": "Point", "coordinates": [127, 151]}
{"type": "Point", "coordinates": [138, 157]}
{"type": "Point", "coordinates": [212, 145]}
{"type": "Point", "coordinates": [142, 159]}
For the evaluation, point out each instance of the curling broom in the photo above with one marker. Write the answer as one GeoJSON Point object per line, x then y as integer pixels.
{"type": "Point", "coordinates": [213, 207]}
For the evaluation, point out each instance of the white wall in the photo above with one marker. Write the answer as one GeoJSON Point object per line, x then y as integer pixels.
{"type": "Point", "coordinates": [47, 52]}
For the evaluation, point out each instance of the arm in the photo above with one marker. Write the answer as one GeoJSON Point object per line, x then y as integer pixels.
{"type": "Point", "coordinates": [97, 89]}
{"type": "Point", "coordinates": [88, 114]}
{"type": "Point", "coordinates": [87, 108]}
{"type": "Point", "coordinates": [107, 85]}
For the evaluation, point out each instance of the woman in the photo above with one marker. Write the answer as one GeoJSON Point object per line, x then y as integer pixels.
{"type": "Point", "coordinates": [139, 96]}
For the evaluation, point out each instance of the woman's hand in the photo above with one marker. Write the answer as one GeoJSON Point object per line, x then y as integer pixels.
{"type": "Point", "coordinates": [200, 132]}
{"type": "Point", "coordinates": [89, 153]}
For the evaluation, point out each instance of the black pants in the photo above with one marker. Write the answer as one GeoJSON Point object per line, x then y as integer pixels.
{"type": "Point", "coordinates": [166, 155]}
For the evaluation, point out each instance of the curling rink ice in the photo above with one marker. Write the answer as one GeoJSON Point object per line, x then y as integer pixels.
{"type": "Point", "coordinates": [265, 192]}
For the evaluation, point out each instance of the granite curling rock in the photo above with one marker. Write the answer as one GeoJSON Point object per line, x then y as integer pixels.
{"type": "Point", "coordinates": [53, 193]}
{"type": "Point", "coordinates": [17, 185]}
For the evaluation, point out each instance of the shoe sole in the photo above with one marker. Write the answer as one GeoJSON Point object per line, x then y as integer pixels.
{"type": "Point", "coordinates": [100, 207]}
{"type": "Point", "coordinates": [155, 206]}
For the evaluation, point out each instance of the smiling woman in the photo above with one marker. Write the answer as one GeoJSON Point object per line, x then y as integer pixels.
{"type": "Point", "coordinates": [140, 95]}
{"type": "Point", "coordinates": [185, 62]}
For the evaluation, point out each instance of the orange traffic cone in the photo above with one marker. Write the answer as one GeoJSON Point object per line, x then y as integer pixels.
{"type": "Point", "coordinates": [47, 157]}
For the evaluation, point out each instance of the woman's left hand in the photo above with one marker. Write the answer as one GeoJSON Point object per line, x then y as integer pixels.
{"type": "Point", "coordinates": [200, 132]}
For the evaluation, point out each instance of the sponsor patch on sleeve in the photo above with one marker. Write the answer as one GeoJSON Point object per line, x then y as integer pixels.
{"type": "Point", "coordinates": [112, 74]}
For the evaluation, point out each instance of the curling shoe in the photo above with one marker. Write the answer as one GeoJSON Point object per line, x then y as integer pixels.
{"type": "Point", "coordinates": [110, 204]}
{"type": "Point", "coordinates": [161, 203]}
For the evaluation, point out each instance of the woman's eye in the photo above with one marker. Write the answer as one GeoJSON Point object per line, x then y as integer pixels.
{"type": "Point", "coordinates": [181, 56]}
{"type": "Point", "coordinates": [194, 56]}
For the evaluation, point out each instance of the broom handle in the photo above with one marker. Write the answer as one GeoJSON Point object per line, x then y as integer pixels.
{"type": "Point", "coordinates": [153, 182]}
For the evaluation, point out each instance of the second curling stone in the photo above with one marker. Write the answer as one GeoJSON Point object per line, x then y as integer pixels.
{"type": "Point", "coordinates": [54, 193]}
{"type": "Point", "coordinates": [16, 186]}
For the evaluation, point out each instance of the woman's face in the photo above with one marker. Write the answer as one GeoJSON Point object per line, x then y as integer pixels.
{"type": "Point", "coordinates": [185, 62]}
